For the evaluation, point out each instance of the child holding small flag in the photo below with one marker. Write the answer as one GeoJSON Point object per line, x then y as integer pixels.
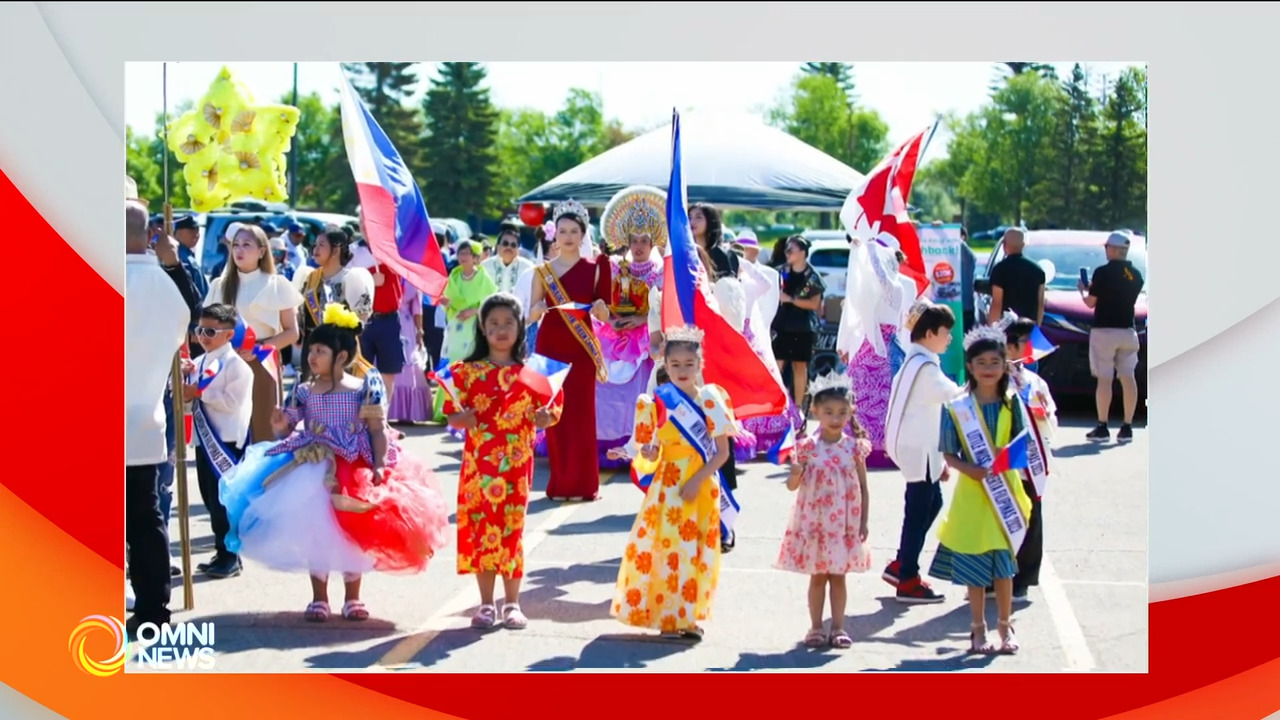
{"type": "Point", "coordinates": [1040, 417]}
{"type": "Point", "coordinates": [493, 397]}
{"type": "Point", "coordinates": [828, 528]}
{"type": "Point", "coordinates": [220, 388]}
{"type": "Point", "coordinates": [983, 437]}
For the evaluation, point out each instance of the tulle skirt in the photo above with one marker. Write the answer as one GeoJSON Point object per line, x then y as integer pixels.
{"type": "Point", "coordinates": [295, 522]}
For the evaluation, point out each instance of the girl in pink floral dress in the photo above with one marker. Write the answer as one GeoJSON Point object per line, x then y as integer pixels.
{"type": "Point", "coordinates": [826, 537]}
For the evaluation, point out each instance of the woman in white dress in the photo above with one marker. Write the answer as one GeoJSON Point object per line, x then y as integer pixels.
{"type": "Point", "coordinates": [268, 304]}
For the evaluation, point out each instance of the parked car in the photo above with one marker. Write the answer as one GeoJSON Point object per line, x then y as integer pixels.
{"type": "Point", "coordinates": [1067, 319]}
{"type": "Point", "coordinates": [214, 252]}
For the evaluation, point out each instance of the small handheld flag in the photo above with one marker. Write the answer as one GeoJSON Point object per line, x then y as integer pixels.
{"type": "Point", "coordinates": [207, 375]}
{"type": "Point", "coordinates": [781, 452]}
{"type": "Point", "coordinates": [245, 338]}
{"type": "Point", "coordinates": [444, 378]}
{"type": "Point", "coordinates": [1013, 456]}
{"type": "Point", "coordinates": [572, 307]}
{"type": "Point", "coordinates": [544, 376]}
{"type": "Point", "coordinates": [1036, 347]}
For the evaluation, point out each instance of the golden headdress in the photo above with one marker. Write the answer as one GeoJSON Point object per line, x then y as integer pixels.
{"type": "Point", "coordinates": [637, 210]}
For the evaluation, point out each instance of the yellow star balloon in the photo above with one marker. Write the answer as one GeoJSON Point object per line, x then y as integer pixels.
{"type": "Point", "coordinates": [232, 148]}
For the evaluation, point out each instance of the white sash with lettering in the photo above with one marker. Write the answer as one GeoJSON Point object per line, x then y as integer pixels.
{"type": "Point", "coordinates": [692, 425]}
{"type": "Point", "coordinates": [220, 456]}
{"type": "Point", "coordinates": [973, 431]}
{"type": "Point", "coordinates": [898, 401]}
{"type": "Point", "coordinates": [1037, 456]}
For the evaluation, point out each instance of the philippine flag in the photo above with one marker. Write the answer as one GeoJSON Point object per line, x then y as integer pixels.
{"type": "Point", "coordinates": [544, 376]}
{"type": "Point", "coordinates": [729, 360]}
{"type": "Point", "coordinates": [1037, 347]}
{"type": "Point", "coordinates": [444, 378]}
{"type": "Point", "coordinates": [394, 214]}
{"type": "Point", "coordinates": [1013, 456]}
{"type": "Point", "coordinates": [781, 452]}
{"type": "Point", "coordinates": [245, 338]}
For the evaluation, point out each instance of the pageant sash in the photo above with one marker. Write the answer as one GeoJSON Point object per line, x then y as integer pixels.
{"type": "Point", "coordinates": [692, 424]}
{"type": "Point", "coordinates": [1037, 455]}
{"type": "Point", "coordinates": [976, 438]}
{"type": "Point", "coordinates": [898, 400]}
{"type": "Point", "coordinates": [312, 297]}
{"type": "Point", "coordinates": [220, 457]}
{"type": "Point", "coordinates": [581, 331]}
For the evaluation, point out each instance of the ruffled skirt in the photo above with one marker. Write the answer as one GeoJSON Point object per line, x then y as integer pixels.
{"type": "Point", "coordinates": [284, 515]}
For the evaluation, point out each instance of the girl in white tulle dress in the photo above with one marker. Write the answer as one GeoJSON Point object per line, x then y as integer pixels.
{"type": "Point", "coordinates": [827, 534]}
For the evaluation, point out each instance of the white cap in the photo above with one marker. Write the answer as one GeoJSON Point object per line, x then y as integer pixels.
{"type": "Point", "coordinates": [747, 237]}
{"type": "Point", "coordinates": [130, 188]}
{"type": "Point", "coordinates": [232, 230]}
{"type": "Point", "coordinates": [277, 243]}
{"type": "Point", "coordinates": [1119, 239]}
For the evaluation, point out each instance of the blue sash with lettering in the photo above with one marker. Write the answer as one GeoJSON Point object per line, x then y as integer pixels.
{"type": "Point", "coordinates": [688, 418]}
{"type": "Point", "coordinates": [220, 456]}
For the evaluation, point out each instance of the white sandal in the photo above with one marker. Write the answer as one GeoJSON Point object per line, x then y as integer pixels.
{"type": "Point", "coordinates": [513, 618]}
{"type": "Point", "coordinates": [485, 618]}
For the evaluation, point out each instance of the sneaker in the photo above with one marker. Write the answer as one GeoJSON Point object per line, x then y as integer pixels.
{"type": "Point", "coordinates": [727, 544]}
{"type": "Point", "coordinates": [204, 566]}
{"type": "Point", "coordinates": [1099, 433]}
{"type": "Point", "coordinates": [1020, 596]}
{"type": "Point", "coordinates": [225, 567]}
{"type": "Point", "coordinates": [891, 573]}
{"type": "Point", "coordinates": [1125, 434]}
{"type": "Point", "coordinates": [917, 592]}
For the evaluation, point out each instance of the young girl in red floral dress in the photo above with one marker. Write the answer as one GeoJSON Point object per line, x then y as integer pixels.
{"type": "Point", "coordinates": [500, 415]}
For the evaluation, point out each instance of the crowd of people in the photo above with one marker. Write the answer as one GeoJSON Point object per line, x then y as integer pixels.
{"type": "Point", "coordinates": [316, 480]}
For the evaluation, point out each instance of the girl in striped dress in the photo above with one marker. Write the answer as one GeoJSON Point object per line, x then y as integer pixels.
{"type": "Point", "coordinates": [984, 527]}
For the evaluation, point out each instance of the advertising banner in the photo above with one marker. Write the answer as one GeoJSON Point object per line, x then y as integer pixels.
{"type": "Point", "coordinates": [940, 246]}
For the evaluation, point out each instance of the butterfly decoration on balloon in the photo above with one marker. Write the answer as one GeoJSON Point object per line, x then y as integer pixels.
{"type": "Point", "coordinates": [231, 148]}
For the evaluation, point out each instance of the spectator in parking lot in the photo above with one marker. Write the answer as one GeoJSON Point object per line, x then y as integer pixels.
{"type": "Point", "coordinates": [1017, 284]}
{"type": "Point", "coordinates": [507, 266]}
{"type": "Point", "coordinates": [1113, 341]}
{"type": "Point", "coordinates": [297, 238]}
{"type": "Point", "coordinates": [796, 324]}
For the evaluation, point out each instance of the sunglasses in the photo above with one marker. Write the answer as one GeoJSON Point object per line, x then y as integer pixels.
{"type": "Point", "coordinates": [208, 332]}
{"type": "Point", "coordinates": [509, 244]}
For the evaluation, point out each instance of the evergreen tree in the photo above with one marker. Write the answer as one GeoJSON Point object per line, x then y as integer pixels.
{"type": "Point", "coordinates": [1118, 175]}
{"type": "Point", "coordinates": [387, 89]}
{"type": "Point", "coordinates": [842, 73]}
{"type": "Point", "coordinates": [459, 151]}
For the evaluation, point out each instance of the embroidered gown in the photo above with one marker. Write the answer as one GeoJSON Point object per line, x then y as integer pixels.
{"type": "Point", "coordinates": [822, 535]}
{"type": "Point", "coordinates": [671, 564]}
{"type": "Point", "coordinates": [972, 548]}
{"type": "Point", "coordinates": [307, 502]}
{"type": "Point", "coordinates": [571, 450]}
{"type": "Point", "coordinates": [627, 352]}
{"type": "Point", "coordinates": [497, 467]}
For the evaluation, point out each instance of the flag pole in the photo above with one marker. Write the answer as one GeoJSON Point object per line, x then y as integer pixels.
{"type": "Point", "coordinates": [927, 140]}
{"type": "Point", "coordinates": [175, 380]}
{"type": "Point", "coordinates": [293, 150]}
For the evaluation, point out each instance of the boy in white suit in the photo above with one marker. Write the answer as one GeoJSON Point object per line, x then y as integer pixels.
{"type": "Point", "coordinates": [920, 389]}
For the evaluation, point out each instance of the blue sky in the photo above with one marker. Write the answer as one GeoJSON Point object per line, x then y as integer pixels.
{"type": "Point", "coordinates": [908, 95]}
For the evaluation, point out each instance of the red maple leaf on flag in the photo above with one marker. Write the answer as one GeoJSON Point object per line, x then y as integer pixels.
{"type": "Point", "coordinates": [881, 206]}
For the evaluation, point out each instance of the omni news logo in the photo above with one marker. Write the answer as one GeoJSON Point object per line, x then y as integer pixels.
{"type": "Point", "coordinates": [164, 646]}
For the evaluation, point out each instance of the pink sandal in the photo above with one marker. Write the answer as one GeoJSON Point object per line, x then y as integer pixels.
{"type": "Point", "coordinates": [355, 611]}
{"type": "Point", "coordinates": [316, 612]}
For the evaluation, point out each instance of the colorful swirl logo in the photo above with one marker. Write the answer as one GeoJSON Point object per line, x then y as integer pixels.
{"type": "Point", "coordinates": [92, 624]}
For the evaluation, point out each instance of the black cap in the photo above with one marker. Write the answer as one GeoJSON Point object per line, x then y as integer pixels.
{"type": "Point", "coordinates": [268, 227]}
{"type": "Point", "coordinates": [185, 221]}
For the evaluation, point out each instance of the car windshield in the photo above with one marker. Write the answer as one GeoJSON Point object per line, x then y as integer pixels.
{"type": "Point", "coordinates": [829, 259]}
{"type": "Point", "coordinates": [1068, 259]}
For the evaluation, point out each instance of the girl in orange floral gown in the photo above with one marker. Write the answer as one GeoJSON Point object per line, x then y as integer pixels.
{"type": "Point", "coordinates": [500, 415]}
{"type": "Point", "coordinates": [671, 564]}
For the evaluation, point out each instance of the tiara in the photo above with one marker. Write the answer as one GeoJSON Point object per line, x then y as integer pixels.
{"type": "Point", "coordinates": [570, 208]}
{"type": "Point", "coordinates": [1010, 317]}
{"type": "Point", "coordinates": [684, 334]}
{"type": "Point", "coordinates": [984, 332]}
{"type": "Point", "coordinates": [913, 315]}
{"type": "Point", "coordinates": [637, 210]}
{"type": "Point", "coordinates": [831, 381]}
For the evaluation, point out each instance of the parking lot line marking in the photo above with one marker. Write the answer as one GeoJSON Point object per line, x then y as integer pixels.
{"type": "Point", "coordinates": [1065, 622]}
{"type": "Point", "coordinates": [408, 648]}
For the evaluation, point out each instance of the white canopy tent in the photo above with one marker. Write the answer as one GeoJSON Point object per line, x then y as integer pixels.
{"type": "Point", "coordinates": [730, 160]}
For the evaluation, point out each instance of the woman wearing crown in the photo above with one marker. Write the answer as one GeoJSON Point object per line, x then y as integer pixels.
{"type": "Point", "coordinates": [562, 287]}
{"type": "Point", "coordinates": [635, 222]}
{"type": "Point", "coordinates": [335, 494]}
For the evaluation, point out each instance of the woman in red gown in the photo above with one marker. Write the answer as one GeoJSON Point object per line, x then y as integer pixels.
{"type": "Point", "coordinates": [574, 277]}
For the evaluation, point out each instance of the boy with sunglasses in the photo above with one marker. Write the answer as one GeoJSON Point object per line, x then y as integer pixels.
{"type": "Point", "coordinates": [219, 386]}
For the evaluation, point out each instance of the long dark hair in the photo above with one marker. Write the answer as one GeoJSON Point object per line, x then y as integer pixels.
{"type": "Point", "coordinates": [340, 239]}
{"type": "Point", "coordinates": [845, 395]}
{"type": "Point", "coordinates": [493, 302]}
{"type": "Point", "coordinates": [714, 234]}
{"type": "Point", "coordinates": [982, 347]}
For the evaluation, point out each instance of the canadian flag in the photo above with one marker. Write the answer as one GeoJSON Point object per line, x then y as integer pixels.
{"type": "Point", "coordinates": [877, 211]}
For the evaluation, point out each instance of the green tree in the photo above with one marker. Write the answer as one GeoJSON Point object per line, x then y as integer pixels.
{"type": "Point", "coordinates": [819, 112]}
{"type": "Point", "coordinates": [387, 89]}
{"type": "Point", "coordinates": [1118, 172]}
{"type": "Point", "coordinates": [459, 151]}
{"type": "Point", "coordinates": [140, 164]}
{"type": "Point", "coordinates": [178, 197]}
{"type": "Point", "coordinates": [842, 73]}
{"type": "Point", "coordinates": [322, 175]}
